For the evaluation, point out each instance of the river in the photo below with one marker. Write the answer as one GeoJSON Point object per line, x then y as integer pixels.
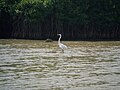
{"type": "Point", "coordinates": [40, 65]}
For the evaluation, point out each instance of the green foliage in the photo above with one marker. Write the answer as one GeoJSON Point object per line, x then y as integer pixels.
{"type": "Point", "coordinates": [72, 11]}
{"type": "Point", "coordinates": [31, 10]}
{"type": "Point", "coordinates": [75, 18]}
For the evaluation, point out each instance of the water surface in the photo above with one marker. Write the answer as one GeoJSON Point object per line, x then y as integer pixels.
{"type": "Point", "coordinates": [39, 65]}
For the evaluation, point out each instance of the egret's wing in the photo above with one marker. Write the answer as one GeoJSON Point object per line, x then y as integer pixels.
{"type": "Point", "coordinates": [63, 46]}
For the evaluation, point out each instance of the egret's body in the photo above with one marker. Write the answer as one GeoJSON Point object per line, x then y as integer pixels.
{"type": "Point", "coordinates": [62, 46]}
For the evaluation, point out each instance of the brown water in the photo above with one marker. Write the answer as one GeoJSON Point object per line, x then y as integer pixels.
{"type": "Point", "coordinates": [38, 65]}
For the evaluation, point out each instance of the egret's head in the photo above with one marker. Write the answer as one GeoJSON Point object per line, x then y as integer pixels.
{"type": "Point", "coordinates": [59, 34]}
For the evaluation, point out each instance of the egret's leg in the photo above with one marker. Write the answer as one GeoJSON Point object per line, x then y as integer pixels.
{"type": "Point", "coordinates": [62, 50]}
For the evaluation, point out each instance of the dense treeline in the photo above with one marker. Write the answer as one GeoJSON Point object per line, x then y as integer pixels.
{"type": "Point", "coordinates": [75, 19]}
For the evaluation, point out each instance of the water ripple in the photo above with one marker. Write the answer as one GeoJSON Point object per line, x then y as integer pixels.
{"type": "Point", "coordinates": [29, 65]}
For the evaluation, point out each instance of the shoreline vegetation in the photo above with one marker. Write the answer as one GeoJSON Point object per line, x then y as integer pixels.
{"type": "Point", "coordinates": [76, 20]}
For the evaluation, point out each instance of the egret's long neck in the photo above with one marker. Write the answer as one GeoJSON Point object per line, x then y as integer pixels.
{"type": "Point", "coordinates": [59, 39]}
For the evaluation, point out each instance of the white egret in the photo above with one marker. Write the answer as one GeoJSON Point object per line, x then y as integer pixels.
{"type": "Point", "coordinates": [62, 46]}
